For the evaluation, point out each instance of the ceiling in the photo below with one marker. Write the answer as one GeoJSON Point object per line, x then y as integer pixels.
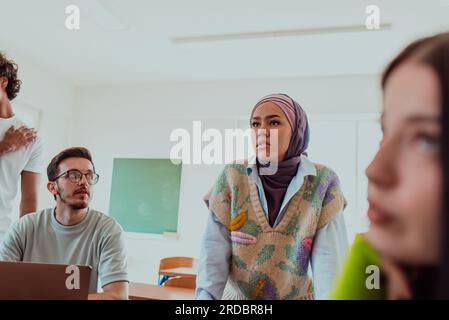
{"type": "Point", "coordinates": [137, 41]}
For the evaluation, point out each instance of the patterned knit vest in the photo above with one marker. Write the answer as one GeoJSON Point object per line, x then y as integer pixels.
{"type": "Point", "coordinates": [276, 266]}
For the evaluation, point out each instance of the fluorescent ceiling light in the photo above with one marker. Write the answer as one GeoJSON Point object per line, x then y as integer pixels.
{"type": "Point", "coordinates": [277, 33]}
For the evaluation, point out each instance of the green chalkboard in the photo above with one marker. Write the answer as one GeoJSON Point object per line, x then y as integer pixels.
{"type": "Point", "coordinates": [145, 195]}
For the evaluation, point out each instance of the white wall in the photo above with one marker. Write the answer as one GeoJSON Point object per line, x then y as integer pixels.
{"type": "Point", "coordinates": [136, 121]}
{"type": "Point", "coordinates": [347, 143]}
{"type": "Point", "coordinates": [49, 97]}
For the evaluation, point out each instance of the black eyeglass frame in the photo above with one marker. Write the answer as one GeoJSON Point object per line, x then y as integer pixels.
{"type": "Point", "coordinates": [95, 175]}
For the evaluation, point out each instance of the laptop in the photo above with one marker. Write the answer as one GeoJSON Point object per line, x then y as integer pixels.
{"type": "Point", "coordinates": [43, 281]}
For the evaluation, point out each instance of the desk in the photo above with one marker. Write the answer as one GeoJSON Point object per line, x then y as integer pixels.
{"type": "Point", "coordinates": [144, 291]}
{"type": "Point", "coordinates": [179, 272]}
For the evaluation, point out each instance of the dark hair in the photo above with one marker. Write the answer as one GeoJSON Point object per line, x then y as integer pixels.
{"type": "Point", "coordinates": [433, 52]}
{"type": "Point", "coordinates": [8, 69]}
{"type": "Point", "coordinates": [76, 152]}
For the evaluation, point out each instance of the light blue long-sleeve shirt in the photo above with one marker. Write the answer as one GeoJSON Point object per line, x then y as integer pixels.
{"type": "Point", "coordinates": [328, 253]}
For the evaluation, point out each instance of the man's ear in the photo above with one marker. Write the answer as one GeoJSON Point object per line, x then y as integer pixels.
{"type": "Point", "coordinates": [3, 82]}
{"type": "Point", "coordinates": [52, 187]}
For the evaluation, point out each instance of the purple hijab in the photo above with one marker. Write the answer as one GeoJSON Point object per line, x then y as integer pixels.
{"type": "Point", "coordinates": [275, 186]}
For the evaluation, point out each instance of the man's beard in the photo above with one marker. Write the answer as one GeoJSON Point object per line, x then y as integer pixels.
{"type": "Point", "coordinates": [74, 206]}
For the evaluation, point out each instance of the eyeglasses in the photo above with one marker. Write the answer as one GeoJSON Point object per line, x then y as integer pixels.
{"type": "Point", "coordinates": [76, 176]}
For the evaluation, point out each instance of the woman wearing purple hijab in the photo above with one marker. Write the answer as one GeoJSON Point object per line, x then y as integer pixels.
{"type": "Point", "coordinates": [269, 221]}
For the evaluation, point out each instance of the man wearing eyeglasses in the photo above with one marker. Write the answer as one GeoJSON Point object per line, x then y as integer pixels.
{"type": "Point", "coordinates": [72, 232]}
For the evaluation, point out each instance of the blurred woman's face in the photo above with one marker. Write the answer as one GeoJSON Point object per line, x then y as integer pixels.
{"type": "Point", "coordinates": [405, 177]}
{"type": "Point", "coordinates": [271, 132]}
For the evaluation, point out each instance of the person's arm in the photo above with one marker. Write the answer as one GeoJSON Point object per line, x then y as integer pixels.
{"type": "Point", "coordinates": [15, 139]}
{"type": "Point", "coordinates": [30, 179]}
{"type": "Point", "coordinates": [29, 188]}
{"type": "Point", "coordinates": [112, 268]}
{"type": "Point", "coordinates": [113, 291]}
{"type": "Point", "coordinates": [12, 248]}
{"type": "Point", "coordinates": [328, 254]}
{"type": "Point", "coordinates": [214, 262]}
